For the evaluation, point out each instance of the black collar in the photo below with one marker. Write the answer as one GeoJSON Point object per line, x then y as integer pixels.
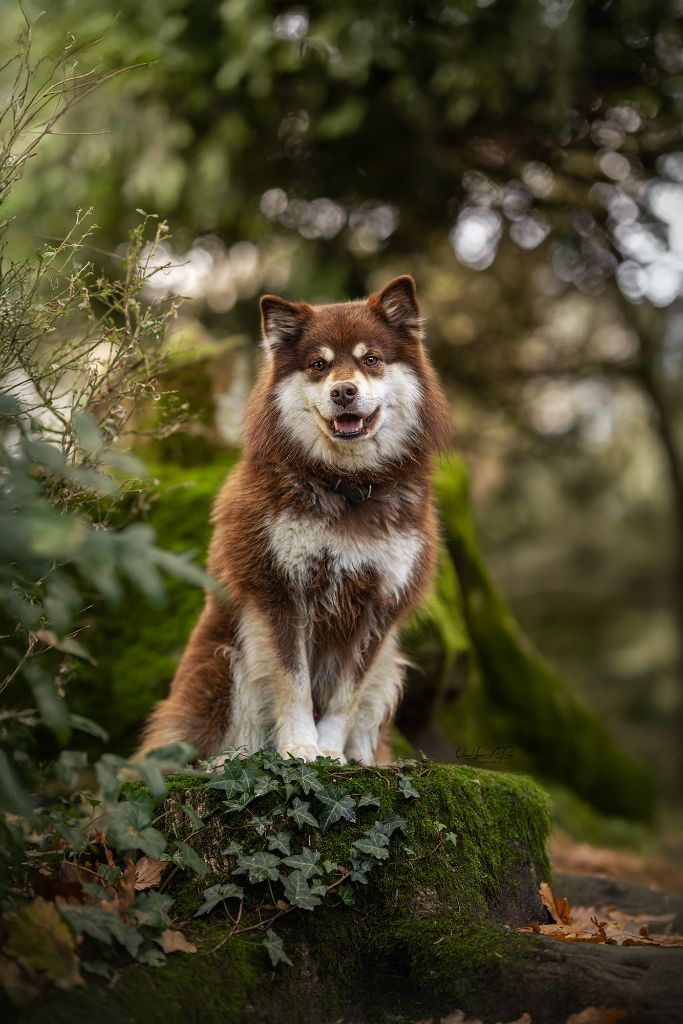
{"type": "Point", "coordinates": [355, 492]}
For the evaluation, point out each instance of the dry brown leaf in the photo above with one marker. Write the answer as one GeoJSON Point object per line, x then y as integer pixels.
{"type": "Point", "coordinates": [148, 872]}
{"type": "Point", "coordinates": [596, 1015]}
{"type": "Point", "coordinates": [597, 931]}
{"type": "Point", "coordinates": [172, 941]}
{"type": "Point", "coordinates": [558, 909]}
{"type": "Point", "coordinates": [66, 880]}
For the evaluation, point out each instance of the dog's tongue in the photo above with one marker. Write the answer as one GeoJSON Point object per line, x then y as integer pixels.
{"type": "Point", "coordinates": [348, 425]}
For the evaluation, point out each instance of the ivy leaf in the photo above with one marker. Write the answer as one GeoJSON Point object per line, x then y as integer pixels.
{"type": "Point", "coordinates": [99, 967]}
{"type": "Point", "coordinates": [390, 824]}
{"type": "Point", "coordinates": [102, 925]}
{"type": "Point", "coordinates": [233, 849]}
{"type": "Point", "coordinates": [330, 866]}
{"type": "Point", "coordinates": [259, 866]}
{"type": "Point", "coordinates": [304, 777]}
{"type": "Point", "coordinates": [265, 784]}
{"type": "Point", "coordinates": [300, 814]}
{"type": "Point", "coordinates": [261, 825]}
{"type": "Point", "coordinates": [305, 862]}
{"type": "Point", "coordinates": [237, 779]}
{"type": "Point", "coordinates": [151, 910]}
{"type": "Point", "coordinates": [216, 893]}
{"type": "Point", "coordinates": [193, 816]}
{"type": "Point", "coordinates": [68, 765]}
{"type": "Point", "coordinates": [368, 800]}
{"type": "Point", "coordinates": [407, 788]}
{"type": "Point", "coordinates": [281, 842]}
{"type": "Point", "coordinates": [360, 868]}
{"type": "Point", "coordinates": [300, 893]}
{"type": "Point", "coordinates": [337, 804]}
{"type": "Point", "coordinates": [374, 843]}
{"type": "Point", "coordinates": [186, 857]}
{"type": "Point", "coordinates": [346, 894]}
{"type": "Point", "coordinates": [452, 838]}
{"type": "Point", "coordinates": [130, 829]}
{"type": "Point", "coordinates": [275, 948]}
{"type": "Point", "coordinates": [107, 771]}
{"type": "Point", "coordinates": [151, 957]}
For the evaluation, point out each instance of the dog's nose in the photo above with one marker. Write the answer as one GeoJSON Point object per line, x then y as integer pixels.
{"type": "Point", "coordinates": [344, 392]}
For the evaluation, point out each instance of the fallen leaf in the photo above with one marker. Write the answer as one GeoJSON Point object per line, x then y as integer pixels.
{"type": "Point", "coordinates": [172, 941]}
{"type": "Point", "coordinates": [558, 909]}
{"type": "Point", "coordinates": [66, 880]}
{"type": "Point", "coordinates": [595, 927]}
{"type": "Point", "coordinates": [596, 1015]}
{"type": "Point", "coordinates": [148, 872]}
{"type": "Point", "coordinates": [40, 939]}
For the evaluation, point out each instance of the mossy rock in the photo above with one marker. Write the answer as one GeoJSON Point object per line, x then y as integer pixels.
{"type": "Point", "coordinates": [425, 933]}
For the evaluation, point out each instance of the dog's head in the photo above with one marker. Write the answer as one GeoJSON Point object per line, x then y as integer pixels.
{"type": "Point", "coordinates": [351, 381]}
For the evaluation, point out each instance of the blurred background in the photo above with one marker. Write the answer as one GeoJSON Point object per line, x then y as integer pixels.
{"type": "Point", "coordinates": [523, 160]}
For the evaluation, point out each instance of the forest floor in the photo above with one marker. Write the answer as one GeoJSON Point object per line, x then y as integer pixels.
{"type": "Point", "coordinates": [660, 868]}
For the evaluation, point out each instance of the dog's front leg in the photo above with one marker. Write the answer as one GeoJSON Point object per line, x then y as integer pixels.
{"type": "Point", "coordinates": [272, 690]}
{"type": "Point", "coordinates": [335, 723]}
{"type": "Point", "coordinates": [375, 701]}
{"type": "Point", "coordinates": [295, 733]}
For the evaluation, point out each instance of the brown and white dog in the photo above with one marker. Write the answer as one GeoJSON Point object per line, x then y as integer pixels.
{"type": "Point", "coordinates": [324, 538]}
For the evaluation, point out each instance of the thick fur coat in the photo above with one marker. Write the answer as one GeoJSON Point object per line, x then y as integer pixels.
{"type": "Point", "coordinates": [324, 538]}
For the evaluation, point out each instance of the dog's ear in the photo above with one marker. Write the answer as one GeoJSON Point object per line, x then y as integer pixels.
{"type": "Point", "coordinates": [282, 321]}
{"type": "Point", "coordinates": [397, 304]}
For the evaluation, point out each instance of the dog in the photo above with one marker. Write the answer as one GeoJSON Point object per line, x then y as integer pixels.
{"type": "Point", "coordinates": [325, 537]}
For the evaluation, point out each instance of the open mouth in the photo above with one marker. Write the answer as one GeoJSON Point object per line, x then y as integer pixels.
{"type": "Point", "coordinates": [349, 426]}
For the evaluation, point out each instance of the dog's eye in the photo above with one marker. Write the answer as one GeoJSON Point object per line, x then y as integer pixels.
{"type": "Point", "coordinates": [371, 360]}
{"type": "Point", "coordinates": [318, 364]}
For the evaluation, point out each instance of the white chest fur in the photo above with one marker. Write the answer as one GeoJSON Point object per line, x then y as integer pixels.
{"type": "Point", "coordinates": [299, 544]}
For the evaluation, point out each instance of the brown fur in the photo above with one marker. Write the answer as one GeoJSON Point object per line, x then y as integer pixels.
{"type": "Point", "coordinates": [276, 475]}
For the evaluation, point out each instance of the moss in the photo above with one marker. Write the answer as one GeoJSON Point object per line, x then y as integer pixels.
{"type": "Point", "coordinates": [423, 936]}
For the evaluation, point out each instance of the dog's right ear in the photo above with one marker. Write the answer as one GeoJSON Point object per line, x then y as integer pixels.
{"type": "Point", "coordinates": [282, 321]}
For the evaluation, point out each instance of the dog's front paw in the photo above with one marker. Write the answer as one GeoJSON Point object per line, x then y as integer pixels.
{"type": "Point", "coordinates": [304, 751]}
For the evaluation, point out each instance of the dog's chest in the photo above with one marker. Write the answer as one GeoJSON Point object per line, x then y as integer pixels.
{"type": "Point", "coordinates": [308, 549]}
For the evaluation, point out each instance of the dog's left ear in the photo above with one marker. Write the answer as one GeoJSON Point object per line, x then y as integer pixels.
{"type": "Point", "coordinates": [397, 304]}
{"type": "Point", "coordinates": [282, 321]}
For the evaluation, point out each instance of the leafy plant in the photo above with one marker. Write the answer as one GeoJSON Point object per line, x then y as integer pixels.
{"type": "Point", "coordinates": [79, 350]}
